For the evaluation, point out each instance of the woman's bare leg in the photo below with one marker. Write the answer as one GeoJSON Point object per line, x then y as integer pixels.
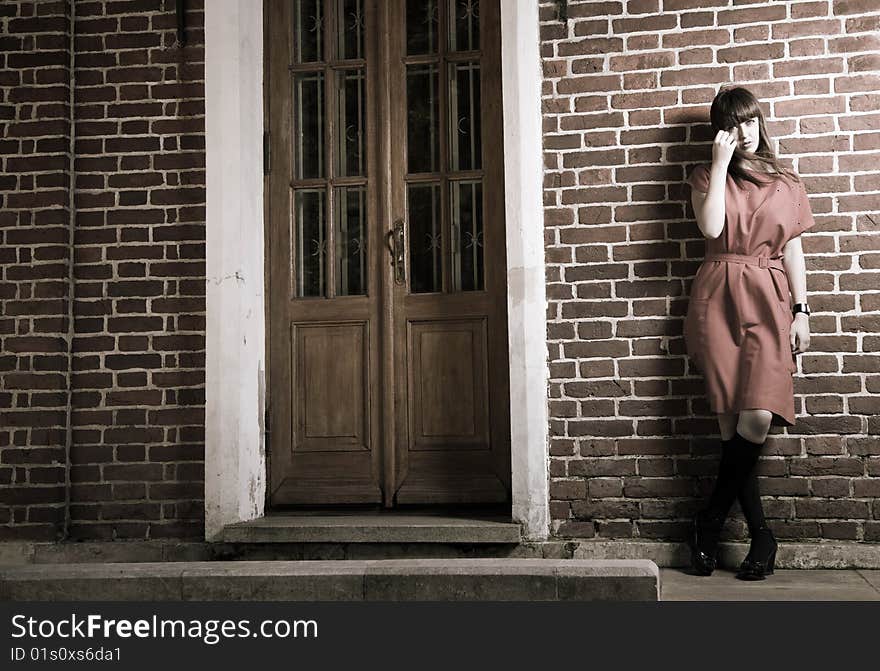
{"type": "Point", "coordinates": [754, 424]}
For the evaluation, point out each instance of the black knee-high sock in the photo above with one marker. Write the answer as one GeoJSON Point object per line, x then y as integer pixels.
{"type": "Point", "coordinates": [726, 485]}
{"type": "Point", "coordinates": [737, 480]}
{"type": "Point", "coordinates": [749, 497]}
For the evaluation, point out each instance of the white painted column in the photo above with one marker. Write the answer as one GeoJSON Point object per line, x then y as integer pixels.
{"type": "Point", "coordinates": [527, 298]}
{"type": "Point", "coordinates": [235, 458]}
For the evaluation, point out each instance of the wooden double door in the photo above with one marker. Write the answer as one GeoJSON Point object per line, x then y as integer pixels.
{"type": "Point", "coordinates": [387, 337]}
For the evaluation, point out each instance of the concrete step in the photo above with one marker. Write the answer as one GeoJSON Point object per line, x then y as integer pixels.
{"type": "Point", "coordinates": [379, 528]}
{"type": "Point", "coordinates": [382, 580]}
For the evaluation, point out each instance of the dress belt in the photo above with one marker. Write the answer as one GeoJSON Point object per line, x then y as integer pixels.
{"type": "Point", "coordinates": [780, 283]}
{"type": "Point", "coordinates": [761, 261]}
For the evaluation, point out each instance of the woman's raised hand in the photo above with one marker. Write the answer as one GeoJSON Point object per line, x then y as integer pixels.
{"type": "Point", "coordinates": [723, 146]}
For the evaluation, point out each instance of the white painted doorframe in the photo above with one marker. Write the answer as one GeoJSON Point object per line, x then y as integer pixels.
{"type": "Point", "coordinates": [235, 456]}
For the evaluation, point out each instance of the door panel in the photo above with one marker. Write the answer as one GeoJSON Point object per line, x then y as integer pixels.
{"type": "Point", "coordinates": [448, 398]}
{"type": "Point", "coordinates": [386, 253]}
{"type": "Point", "coordinates": [331, 409]}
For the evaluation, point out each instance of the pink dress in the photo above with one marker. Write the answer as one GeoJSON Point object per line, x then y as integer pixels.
{"type": "Point", "coordinates": [739, 315]}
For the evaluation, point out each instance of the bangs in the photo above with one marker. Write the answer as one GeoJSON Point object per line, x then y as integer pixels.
{"type": "Point", "coordinates": [733, 106]}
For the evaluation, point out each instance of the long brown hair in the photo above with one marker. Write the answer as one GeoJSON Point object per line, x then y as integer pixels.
{"type": "Point", "coordinates": [731, 106]}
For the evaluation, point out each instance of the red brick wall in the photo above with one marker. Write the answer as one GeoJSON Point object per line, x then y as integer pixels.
{"type": "Point", "coordinates": [139, 309]}
{"type": "Point", "coordinates": [625, 101]}
{"type": "Point", "coordinates": [34, 266]}
{"type": "Point", "coordinates": [626, 95]}
{"type": "Point", "coordinates": [139, 356]}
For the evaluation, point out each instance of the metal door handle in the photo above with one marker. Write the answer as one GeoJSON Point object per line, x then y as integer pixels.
{"type": "Point", "coordinates": [396, 245]}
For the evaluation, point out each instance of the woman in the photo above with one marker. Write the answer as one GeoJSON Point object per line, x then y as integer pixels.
{"type": "Point", "coordinates": [741, 330]}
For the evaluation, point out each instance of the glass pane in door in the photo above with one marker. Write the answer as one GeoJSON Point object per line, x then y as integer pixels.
{"type": "Point", "coordinates": [310, 242]}
{"type": "Point", "coordinates": [425, 238]}
{"type": "Point", "coordinates": [422, 24]}
{"type": "Point", "coordinates": [350, 96]}
{"type": "Point", "coordinates": [350, 27]}
{"type": "Point", "coordinates": [351, 241]}
{"type": "Point", "coordinates": [445, 214]}
{"type": "Point", "coordinates": [423, 118]}
{"type": "Point", "coordinates": [467, 235]}
{"type": "Point", "coordinates": [464, 25]}
{"type": "Point", "coordinates": [308, 31]}
{"type": "Point", "coordinates": [308, 124]}
{"type": "Point", "coordinates": [464, 117]}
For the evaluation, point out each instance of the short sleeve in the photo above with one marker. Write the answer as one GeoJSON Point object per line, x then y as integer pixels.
{"type": "Point", "coordinates": [699, 178]}
{"type": "Point", "coordinates": [803, 214]}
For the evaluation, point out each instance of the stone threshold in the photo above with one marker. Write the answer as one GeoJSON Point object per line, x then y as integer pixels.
{"type": "Point", "coordinates": [792, 555]}
{"type": "Point", "coordinates": [486, 579]}
{"type": "Point", "coordinates": [376, 528]}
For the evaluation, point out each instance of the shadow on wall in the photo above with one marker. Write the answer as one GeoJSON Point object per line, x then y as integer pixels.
{"type": "Point", "coordinates": [695, 135]}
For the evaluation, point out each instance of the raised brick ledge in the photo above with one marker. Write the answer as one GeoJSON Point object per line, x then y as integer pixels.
{"type": "Point", "coordinates": [381, 580]}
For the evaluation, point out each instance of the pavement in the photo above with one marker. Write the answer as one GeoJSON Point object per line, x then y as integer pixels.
{"type": "Point", "coordinates": [783, 585]}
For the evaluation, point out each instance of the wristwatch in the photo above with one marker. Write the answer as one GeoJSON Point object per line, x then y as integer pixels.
{"type": "Point", "coordinates": [801, 307]}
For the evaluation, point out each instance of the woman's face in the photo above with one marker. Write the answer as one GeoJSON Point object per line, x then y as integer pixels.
{"type": "Point", "coordinates": [747, 134]}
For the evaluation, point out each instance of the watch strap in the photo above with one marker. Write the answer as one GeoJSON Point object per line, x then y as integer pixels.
{"type": "Point", "coordinates": [800, 307]}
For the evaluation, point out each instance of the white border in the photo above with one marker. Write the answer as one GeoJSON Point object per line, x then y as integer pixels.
{"type": "Point", "coordinates": [235, 460]}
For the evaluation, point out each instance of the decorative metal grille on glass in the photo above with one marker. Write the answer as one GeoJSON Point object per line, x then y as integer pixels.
{"type": "Point", "coordinates": [465, 151]}
{"type": "Point", "coordinates": [423, 111]}
{"type": "Point", "coordinates": [351, 241]}
{"type": "Point", "coordinates": [467, 227]}
{"type": "Point", "coordinates": [308, 124]}
{"type": "Point", "coordinates": [350, 29]}
{"type": "Point", "coordinates": [425, 238]}
{"type": "Point", "coordinates": [444, 146]}
{"type": "Point", "coordinates": [329, 79]}
{"type": "Point", "coordinates": [464, 25]}
{"type": "Point", "coordinates": [350, 97]}
{"type": "Point", "coordinates": [311, 241]}
{"type": "Point", "coordinates": [308, 31]}
{"type": "Point", "coordinates": [422, 26]}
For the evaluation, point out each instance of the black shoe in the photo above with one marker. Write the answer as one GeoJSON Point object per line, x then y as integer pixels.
{"type": "Point", "coordinates": [761, 559]}
{"type": "Point", "coordinates": [704, 542]}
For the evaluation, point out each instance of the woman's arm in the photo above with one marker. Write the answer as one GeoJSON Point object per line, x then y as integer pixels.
{"type": "Point", "coordinates": [709, 207]}
{"type": "Point", "coordinates": [796, 270]}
